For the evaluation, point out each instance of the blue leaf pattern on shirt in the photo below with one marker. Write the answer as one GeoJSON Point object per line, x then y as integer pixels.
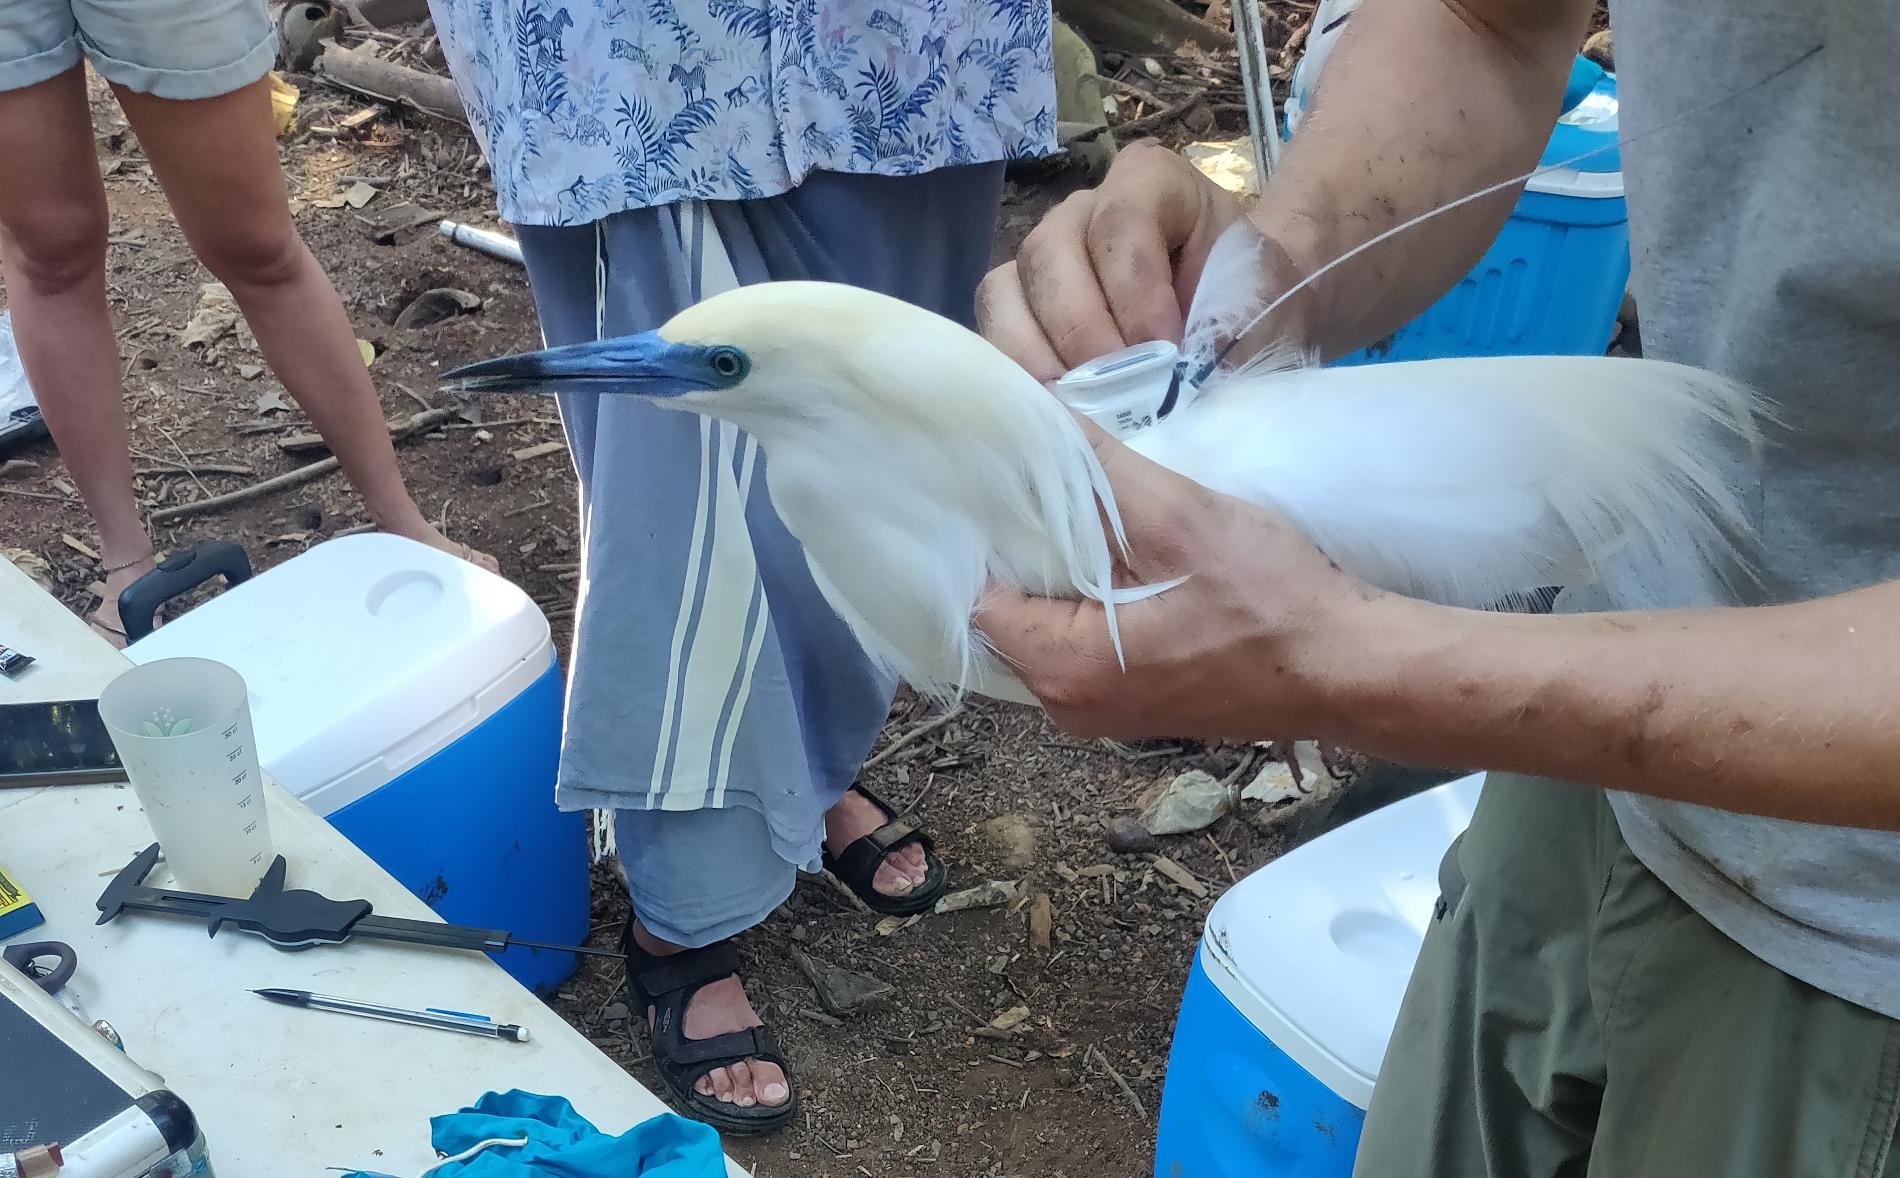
{"type": "Point", "coordinates": [586, 108]}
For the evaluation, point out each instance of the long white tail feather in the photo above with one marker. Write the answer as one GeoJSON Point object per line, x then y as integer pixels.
{"type": "Point", "coordinates": [1467, 481]}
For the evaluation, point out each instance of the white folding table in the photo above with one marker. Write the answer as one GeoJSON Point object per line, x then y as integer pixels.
{"type": "Point", "coordinates": [277, 1090]}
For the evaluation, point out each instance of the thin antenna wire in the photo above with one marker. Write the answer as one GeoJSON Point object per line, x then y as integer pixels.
{"type": "Point", "coordinates": [1207, 370]}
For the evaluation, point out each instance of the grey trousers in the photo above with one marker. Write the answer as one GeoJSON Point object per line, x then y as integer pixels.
{"type": "Point", "coordinates": [715, 701]}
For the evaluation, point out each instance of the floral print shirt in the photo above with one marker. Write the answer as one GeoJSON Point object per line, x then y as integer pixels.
{"type": "Point", "coordinates": [586, 108]}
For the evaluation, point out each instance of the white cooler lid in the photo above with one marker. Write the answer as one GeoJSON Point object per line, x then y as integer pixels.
{"type": "Point", "coordinates": [364, 656]}
{"type": "Point", "coordinates": [1316, 947]}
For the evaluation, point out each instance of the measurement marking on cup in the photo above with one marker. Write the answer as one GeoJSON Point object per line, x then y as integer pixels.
{"type": "Point", "coordinates": [171, 720]}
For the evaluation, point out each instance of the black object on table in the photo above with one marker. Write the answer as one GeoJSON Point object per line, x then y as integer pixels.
{"type": "Point", "coordinates": [295, 919]}
{"type": "Point", "coordinates": [27, 956]}
{"type": "Point", "coordinates": [13, 663]}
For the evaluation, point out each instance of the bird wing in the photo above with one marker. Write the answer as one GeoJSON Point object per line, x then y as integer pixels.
{"type": "Point", "coordinates": [1468, 481]}
{"type": "Point", "coordinates": [965, 473]}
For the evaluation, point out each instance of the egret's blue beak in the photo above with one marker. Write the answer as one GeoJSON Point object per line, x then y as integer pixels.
{"type": "Point", "coordinates": [643, 365]}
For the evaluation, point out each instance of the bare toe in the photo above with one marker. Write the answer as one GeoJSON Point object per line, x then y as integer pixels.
{"type": "Point", "coordinates": [890, 880]}
{"type": "Point", "coordinates": [769, 1082]}
{"type": "Point", "coordinates": [744, 1094]}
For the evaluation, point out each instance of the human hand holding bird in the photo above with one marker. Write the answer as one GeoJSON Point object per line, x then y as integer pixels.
{"type": "Point", "coordinates": [1120, 264]}
{"type": "Point", "coordinates": [1247, 641]}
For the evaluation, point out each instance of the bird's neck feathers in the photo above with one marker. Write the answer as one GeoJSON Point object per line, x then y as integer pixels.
{"type": "Point", "coordinates": [878, 419]}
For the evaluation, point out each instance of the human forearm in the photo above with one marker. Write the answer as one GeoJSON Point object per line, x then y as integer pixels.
{"type": "Point", "coordinates": [1791, 711]}
{"type": "Point", "coordinates": [1396, 130]}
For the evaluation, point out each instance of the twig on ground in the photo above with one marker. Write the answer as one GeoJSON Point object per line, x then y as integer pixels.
{"type": "Point", "coordinates": [33, 494]}
{"type": "Point", "coordinates": [1128, 754]}
{"type": "Point", "coordinates": [1160, 118]}
{"type": "Point", "coordinates": [919, 730]}
{"type": "Point", "coordinates": [492, 424]}
{"type": "Point", "coordinates": [1224, 860]}
{"type": "Point", "coordinates": [184, 462]}
{"type": "Point", "coordinates": [173, 468]}
{"type": "Point", "coordinates": [1140, 1109]}
{"type": "Point", "coordinates": [301, 475]}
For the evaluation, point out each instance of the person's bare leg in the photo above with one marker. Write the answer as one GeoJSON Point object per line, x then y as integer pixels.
{"type": "Point", "coordinates": [217, 161]}
{"type": "Point", "coordinates": [53, 247]}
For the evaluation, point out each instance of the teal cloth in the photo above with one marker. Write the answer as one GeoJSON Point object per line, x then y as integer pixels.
{"type": "Point", "coordinates": [564, 1144]}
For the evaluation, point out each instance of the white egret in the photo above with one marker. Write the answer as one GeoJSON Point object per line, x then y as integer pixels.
{"type": "Point", "coordinates": [915, 462]}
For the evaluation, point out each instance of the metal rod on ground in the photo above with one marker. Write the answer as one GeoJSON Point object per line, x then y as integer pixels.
{"type": "Point", "coordinates": [494, 244]}
{"type": "Point", "coordinates": [1243, 36]}
{"type": "Point", "coordinates": [1266, 91]}
{"type": "Point", "coordinates": [1263, 124]}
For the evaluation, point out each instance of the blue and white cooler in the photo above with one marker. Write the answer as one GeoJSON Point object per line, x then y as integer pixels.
{"type": "Point", "coordinates": [414, 700]}
{"type": "Point", "coordinates": [1294, 992]}
{"type": "Point", "coordinates": [1554, 278]}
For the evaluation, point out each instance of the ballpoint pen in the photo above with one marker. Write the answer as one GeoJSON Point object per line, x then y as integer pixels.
{"type": "Point", "coordinates": [443, 1020]}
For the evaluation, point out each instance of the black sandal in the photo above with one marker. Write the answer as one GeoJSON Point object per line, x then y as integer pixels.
{"type": "Point", "coordinates": [856, 866]}
{"type": "Point", "coordinates": [666, 985]}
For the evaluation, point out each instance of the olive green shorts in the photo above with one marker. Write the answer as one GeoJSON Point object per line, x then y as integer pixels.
{"type": "Point", "coordinates": [1570, 1016]}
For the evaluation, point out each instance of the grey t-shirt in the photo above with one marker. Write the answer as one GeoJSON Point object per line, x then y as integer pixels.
{"type": "Point", "coordinates": [1766, 245]}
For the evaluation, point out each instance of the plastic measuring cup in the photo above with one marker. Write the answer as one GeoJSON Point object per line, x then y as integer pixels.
{"type": "Point", "coordinates": [183, 730]}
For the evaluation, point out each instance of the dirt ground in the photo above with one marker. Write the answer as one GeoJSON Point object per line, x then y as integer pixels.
{"type": "Point", "coordinates": [994, 1055]}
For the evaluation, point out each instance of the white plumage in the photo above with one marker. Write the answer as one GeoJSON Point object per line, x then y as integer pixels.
{"type": "Point", "coordinates": [915, 462]}
{"type": "Point", "coordinates": [1465, 481]}
{"type": "Point", "coordinates": [1468, 481]}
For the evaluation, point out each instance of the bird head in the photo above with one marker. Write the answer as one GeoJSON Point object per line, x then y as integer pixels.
{"type": "Point", "coordinates": [771, 358]}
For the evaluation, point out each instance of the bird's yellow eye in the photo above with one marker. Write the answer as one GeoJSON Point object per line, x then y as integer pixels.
{"type": "Point", "coordinates": [728, 363]}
